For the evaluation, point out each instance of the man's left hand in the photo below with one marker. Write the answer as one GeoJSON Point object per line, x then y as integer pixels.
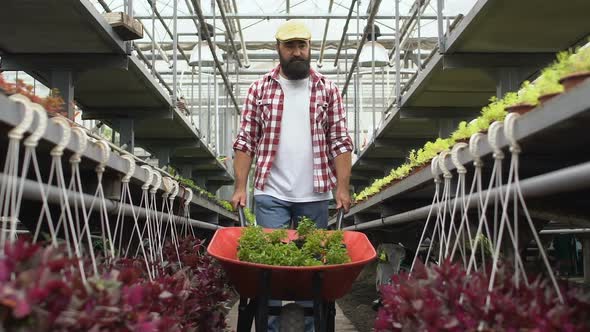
{"type": "Point", "coordinates": [343, 198]}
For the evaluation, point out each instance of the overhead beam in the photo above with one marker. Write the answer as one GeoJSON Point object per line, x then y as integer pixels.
{"type": "Point", "coordinates": [197, 160]}
{"type": "Point", "coordinates": [139, 113]}
{"type": "Point", "coordinates": [496, 60]}
{"type": "Point", "coordinates": [172, 142]}
{"type": "Point", "coordinates": [379, 163]}
{"type": "Point", "coordinates": [397, 143]}
{"type": "Point", "coordinates": [70, 61]}
{"type": "Point", "coordinates": [279, 16]}
{"type": "Point", "coordinates": [369, 174]}
{"type": "Point", "coordinates": [438, 112]}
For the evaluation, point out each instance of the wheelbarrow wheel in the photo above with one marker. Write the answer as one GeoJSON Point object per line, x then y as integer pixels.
{"type": "Point", "coordinates": [292, 318]}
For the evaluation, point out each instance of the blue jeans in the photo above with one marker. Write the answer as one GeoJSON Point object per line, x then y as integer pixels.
{"type": "Point", "coordinates": [272, 212]}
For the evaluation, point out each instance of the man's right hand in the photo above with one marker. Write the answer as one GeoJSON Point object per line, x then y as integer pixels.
{"type": "Point", "coordinates": [239, 197]}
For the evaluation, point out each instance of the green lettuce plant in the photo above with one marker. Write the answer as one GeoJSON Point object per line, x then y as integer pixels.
{"type": "Point", "coordinates": [578, 62]}
{"type": "Point", "coordinates": [548, 81]}
{"type": "Point", "coordinates": [528, 94]}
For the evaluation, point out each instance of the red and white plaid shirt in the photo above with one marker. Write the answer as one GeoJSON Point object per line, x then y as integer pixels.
{"type": "Point", "coordinates": [261, 127]}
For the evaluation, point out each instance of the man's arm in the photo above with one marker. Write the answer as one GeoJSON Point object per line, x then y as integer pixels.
{"type": "Point", "coordinates": [343, 163]}
{"type": "Point", "coordinates": [245, 146]}
{"type": "Point", "coordinates": [242, 163]}
{"type": "Point", "coordinates": [340, 148]}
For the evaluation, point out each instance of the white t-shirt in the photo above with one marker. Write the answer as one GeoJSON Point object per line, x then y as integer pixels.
{"type": "Point", "coordinates": [291, 175]}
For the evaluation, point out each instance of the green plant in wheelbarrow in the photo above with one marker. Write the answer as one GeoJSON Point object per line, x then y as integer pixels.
{"type": "Point", "coordinates": [312, 247]}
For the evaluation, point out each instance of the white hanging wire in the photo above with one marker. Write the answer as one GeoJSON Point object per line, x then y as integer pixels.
{"type": "Point", "coordinates": [127, 198]}
{"type": "Point", "coordinates": [151, 216]}
{"type": "Point", "coordinates": [462, 171]}
{"type": "Point", "coordinates": [143, 205]}
{"type": "Point", "coordinates": [120, 222]}
{"type": "Point", "coordinates": [156, 217]}
{"type": "Point", "coordinates": [435, 199]}
{"type": "Point", "coordinates": [66, 212]}
{"type": "Point", "coordinates": [31, 156]}
{"type": "Point", "coordinates": [186, 226]}
{"type": "Point", "coordinates": [105, 234]}
{"type": "Point", "coordinates": [448, 177]}
{"type": "Point", "coordinates": [8, 189]}
{"type": "Point", "coordinates": [503, 204]}
{"type": "Point", "coordinates": [483, 220]}
{"type": "Point", "coordinates": [170, 195]}
{"type": "Point", "coordinates": [459, 198]}
{"type": "Point", "coordinates": [75, 161]}
{"type": "Point", "coordinates": [517, 192]}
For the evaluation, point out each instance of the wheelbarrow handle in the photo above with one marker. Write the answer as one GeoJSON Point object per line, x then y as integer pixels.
{"type": "Point", "coordinates": [339, 218]}
{"type": "Point", "coordinates": [241, 216]}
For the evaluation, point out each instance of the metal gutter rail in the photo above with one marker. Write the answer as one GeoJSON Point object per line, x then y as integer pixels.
{"type": "Point", "coordinates": [556, 182]}
{"type": "Point", "coordinates": [570, 105]}
{"type": "Point", "coordinates": [31, 191]}
{"type": "Point", "coordinates": [11, 115]}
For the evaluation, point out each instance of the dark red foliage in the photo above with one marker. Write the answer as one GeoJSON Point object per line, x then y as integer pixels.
{"type": "Point", "coordinates": [41, 290]}
{"type": "Point", "coordinates": [445, 298]}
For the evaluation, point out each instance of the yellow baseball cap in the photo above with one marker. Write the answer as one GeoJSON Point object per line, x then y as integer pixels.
{"type": "Point", "coordinates": [292, 30]}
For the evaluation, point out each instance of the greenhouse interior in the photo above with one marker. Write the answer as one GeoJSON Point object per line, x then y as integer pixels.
{"type": "Point", "coordinates": [432, 173]}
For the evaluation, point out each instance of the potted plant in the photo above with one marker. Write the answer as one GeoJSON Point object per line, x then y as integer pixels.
{"type": "Point", "coordinates": [524, 100]}
{"type": "Point", "coordinates": [576, 68]}
{"type": "Point", "coordinates": [463, 132]}
{"type": "Point", "coordinates": [548, 84]}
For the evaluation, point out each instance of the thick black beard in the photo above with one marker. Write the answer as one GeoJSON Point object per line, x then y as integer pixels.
{"type": "Point", "coordinates": [296, 68]}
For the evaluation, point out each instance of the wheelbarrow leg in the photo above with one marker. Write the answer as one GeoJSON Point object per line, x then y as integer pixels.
{"type": "Point", "coordinates": [330, 316]}
{"type": "Point", "coordinates": [319, 308]}
{"type": "Point", "coordinates": [246, 311]}
{"type": "Point", "coordinates": [262, 302]}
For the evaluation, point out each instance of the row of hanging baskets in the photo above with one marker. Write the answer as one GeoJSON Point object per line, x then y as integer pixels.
{"type": "Point", "coordinates": [90, 264]}
{"type": "Point", "coordinates": [468, 273]}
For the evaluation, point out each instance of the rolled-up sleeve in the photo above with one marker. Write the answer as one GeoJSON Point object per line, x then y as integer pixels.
{"type": "Point", "coordinates": [250, 126]}
{"type": "Point", "coordinates": [338, 139]}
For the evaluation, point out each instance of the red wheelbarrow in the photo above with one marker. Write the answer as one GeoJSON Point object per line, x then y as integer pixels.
{"type": "Point", "coordinates": [257, 283]}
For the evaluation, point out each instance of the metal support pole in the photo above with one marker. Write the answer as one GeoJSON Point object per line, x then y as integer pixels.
{"type": "Point", "coordinates": [357, 129]}
{"type": "Point", "coordinates": [208, 110]}
{"type": "Point", "coordinates": [440, 21]}
{"type": "Point", "coordinates": [373, 80]}
{"type": "Point", "coordinates": [163, 154]}
{"type": "Point", "coordinates": [419, 60]}
{"type": "Point", "coordinates": [586, 258]}
{"type": "Point", "coordinates": [127, 134]}
{"type": "Point", "coordinates": [287, 7]}
{"type": "Point", "coordinates": [242, 41]}
{"type": "Point", "coordinates": [174, 52]}
{"type": "Point", "coordinates": [153, 39]}
{"type": "Point", "coordinates": [205, 30]}
{"type": "Point", "coordinates": [398, 89]}
{"type": "Point", "coordinates": [370, 21]}
{"type": "Point", "coordinates": [321, 59]}
{"type": "Point", "coordinates": [167, 29]}
{"type": "Point", "coordinates": [228, 30]}
{"type": "Point", "coordinates": [63, 81]}
{"type": "Point", "coordinates": [344, 32]}
{"type": "Point", "coordinates": [215, 87]}
{"type": "Point", "coordinates": [54, 196]}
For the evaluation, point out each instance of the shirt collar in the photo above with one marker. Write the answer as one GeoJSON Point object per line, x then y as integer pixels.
{"type": "Point", "coordinates": [316, 77]}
